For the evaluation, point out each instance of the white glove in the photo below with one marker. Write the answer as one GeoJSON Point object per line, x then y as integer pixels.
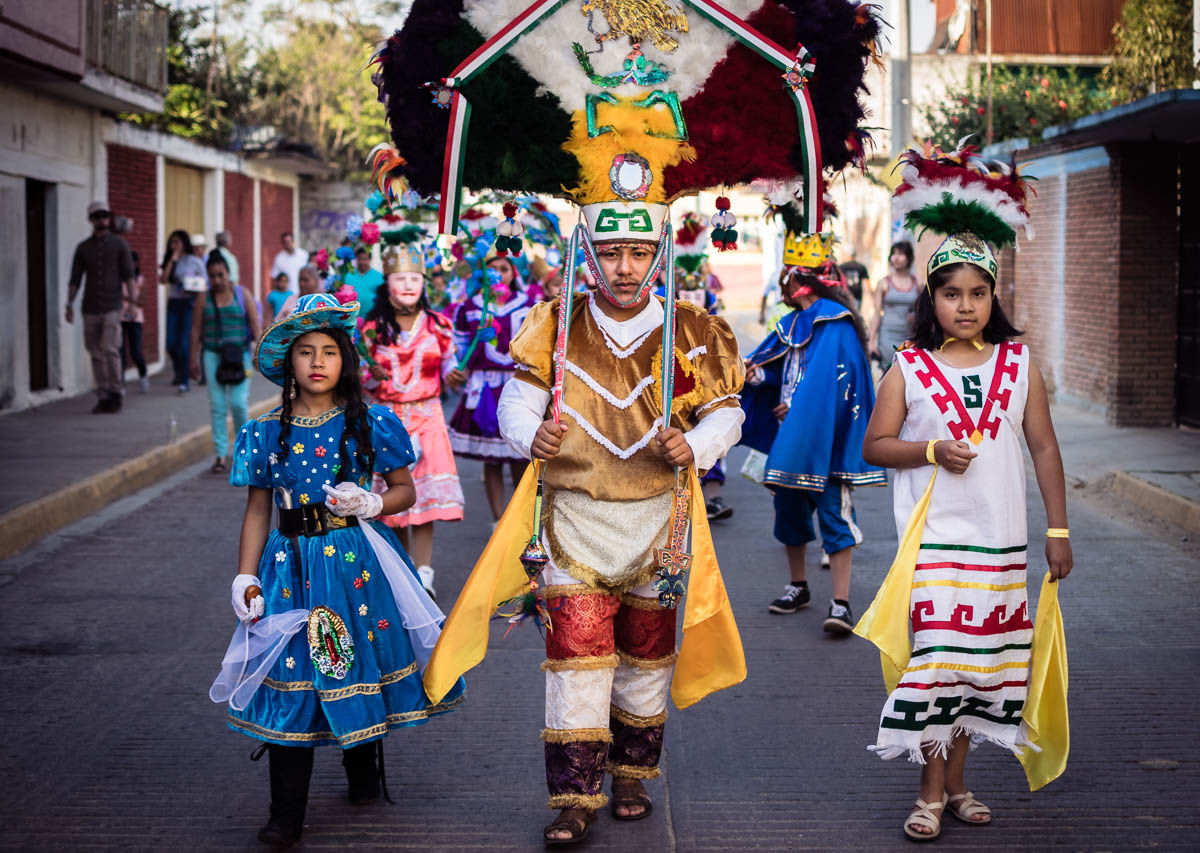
{"type": "Point", "coordinates": [348, 499]}
{"type": "Point", "coordinates": [755, 375]}
{"type": "Point", "coordinates": [255, 610]}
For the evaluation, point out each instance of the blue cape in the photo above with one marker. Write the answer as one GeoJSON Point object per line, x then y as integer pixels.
{"type": "Point", "coordinates": [821, 437]}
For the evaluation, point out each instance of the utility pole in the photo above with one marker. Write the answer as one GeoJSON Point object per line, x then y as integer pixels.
{"type": "Point", "coordinates": [901, 82]}
{"type": "Point", "coordinates": [989, 72]}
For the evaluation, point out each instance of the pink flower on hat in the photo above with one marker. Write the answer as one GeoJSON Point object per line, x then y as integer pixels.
{"type": "Point", "coordinates": [345, 294]}
{"type": "Point", "coordinates": [321, 259]}
{"type": "Point", "coordinates": [370, 233]}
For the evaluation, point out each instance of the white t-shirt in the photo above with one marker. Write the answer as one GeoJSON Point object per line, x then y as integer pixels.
{"type": "Point", "coordinates": [290, 265]}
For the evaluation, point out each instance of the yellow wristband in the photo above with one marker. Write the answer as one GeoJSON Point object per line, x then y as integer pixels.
{"type": "Point", "coordinates": [929, 451]}
{"type": "Point", "coordinates": [1058, 533]}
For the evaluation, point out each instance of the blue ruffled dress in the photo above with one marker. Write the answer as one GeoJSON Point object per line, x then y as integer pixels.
{"type": "Point", "coordinates": [297, 705]}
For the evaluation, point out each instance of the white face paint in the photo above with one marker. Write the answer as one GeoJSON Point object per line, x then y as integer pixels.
{"type": "Point", "coordinates": [405, 288]}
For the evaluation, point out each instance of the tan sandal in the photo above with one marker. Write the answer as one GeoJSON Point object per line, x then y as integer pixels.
{"type": "Point", "coordinates": [923, 816]}
{"type": "Point", "coordinates": [969, 808]}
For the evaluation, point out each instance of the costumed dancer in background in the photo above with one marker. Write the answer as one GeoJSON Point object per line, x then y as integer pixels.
{"type": "Point", "coordinates": [409, 356]}
{"type": "Point", "coordinates": [335, 627]}
{"type": "Point", "coordinates": [483, 354]}
{"type": "Point", "coordinates": [693, 284]}
{"type": "Point", "coordinates": [958, 399]}
{"type": "Point", "coordinates": [808, 398]}
{"type": "Point", "coordinates": [620, 397]}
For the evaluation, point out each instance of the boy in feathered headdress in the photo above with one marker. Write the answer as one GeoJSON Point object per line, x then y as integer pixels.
{"type": "Point", "coordinates": [621, 397]}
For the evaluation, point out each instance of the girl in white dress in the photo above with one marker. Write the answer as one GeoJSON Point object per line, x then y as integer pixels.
{"type": "Point", "coordinates": [958, 398]}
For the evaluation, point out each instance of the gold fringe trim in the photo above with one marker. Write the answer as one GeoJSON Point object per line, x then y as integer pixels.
{"type": "Point", "coordinates": [639, 603]}
{"type": "Point", "coordinates": [577, 801]}
{"type": "Point", "coordinates": [584, 663]}
{"type": "Point", "coordinates": [576, 735]}
{"type": "Point", "coordinates": [287, 686]}
{"type": "Point", "coordinates": [398, 675]}
{"type": "Point", "coordinates": [647, 663]}
{"type": "Point", "coordinates": [342, 692]}
{"type": "Point", "coordinates": [350, 738]}
{"type": "Point", "coordinates": [632, 771]}
{"type": "Point", "coordinates": [586, 574]}
{"type": "Point", "coordinates": [636, 721]}
{"type": "Point", "coordinates": [556, 590]}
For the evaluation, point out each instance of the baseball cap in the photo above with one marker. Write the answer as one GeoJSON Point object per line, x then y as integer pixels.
{"type": "Point", "coordinates": [199, 240]}
{"type": "Point", "coordinates": [98, 207]}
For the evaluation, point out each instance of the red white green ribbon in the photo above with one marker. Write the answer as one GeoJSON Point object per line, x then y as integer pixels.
{"type": "Point", "coordinates": [810, 142]}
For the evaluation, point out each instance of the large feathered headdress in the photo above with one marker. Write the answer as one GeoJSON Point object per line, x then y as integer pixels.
{"type": "Point", "coordinates": [635, 102]}
{"type": "Point", "coordinates": [978, 204]}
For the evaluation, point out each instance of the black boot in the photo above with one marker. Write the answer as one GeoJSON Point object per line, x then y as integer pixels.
{"type": "Point", "coordinates": [291, 769]}
{"type": "Point", "coordinates": [362, 773]}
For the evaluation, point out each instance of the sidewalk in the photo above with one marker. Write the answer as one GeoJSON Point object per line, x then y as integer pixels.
{"type": "Point", "coordinates": [61, 462]}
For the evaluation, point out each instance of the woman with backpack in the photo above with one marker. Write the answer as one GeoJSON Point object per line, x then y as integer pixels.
{"type": "Point", "coordinates": [224, 326]}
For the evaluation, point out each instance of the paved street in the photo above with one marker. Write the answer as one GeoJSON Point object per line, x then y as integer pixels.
{"type": "Point", "coordinates": [114, 629]}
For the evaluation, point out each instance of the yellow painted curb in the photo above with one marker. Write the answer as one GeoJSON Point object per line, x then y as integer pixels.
{"type": "Point", "coordinates": [21, 527]}
{"type": "Point", "coordinates": [1156, 500]}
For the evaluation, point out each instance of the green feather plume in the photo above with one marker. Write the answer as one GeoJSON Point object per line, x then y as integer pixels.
{"type": "Point", "coordinates": [403, 235]}
{"type": "Point", "coordinates": [954, 217]}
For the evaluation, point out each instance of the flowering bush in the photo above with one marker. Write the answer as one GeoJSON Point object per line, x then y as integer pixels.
{"type": "Point", "coordinates": [1025, 101]}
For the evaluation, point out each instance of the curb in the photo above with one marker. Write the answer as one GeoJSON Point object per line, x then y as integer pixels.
{"type": "Point", "coordinates": [1165, 505]}
{"type": "Point", "coordinates": [25, 525]}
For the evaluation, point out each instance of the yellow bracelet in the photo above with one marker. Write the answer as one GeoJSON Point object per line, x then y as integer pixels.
{"type": "Point", "coordinates": [1058, 533]}
{"type": "Point", "coordinates": [929, 451]}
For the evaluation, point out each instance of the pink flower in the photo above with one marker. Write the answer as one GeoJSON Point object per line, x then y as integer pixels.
{"type": "Point", "coordinates": [321, 259]}
{"type": "Point", "coordinates": [360, 322]}
{"type": "Point", "coordinates": [345, 294]}
{"type": "Point", "coordinates": [370, 233]}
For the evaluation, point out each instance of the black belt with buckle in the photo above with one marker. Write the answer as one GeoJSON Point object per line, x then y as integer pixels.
{"type": "Point", "coordinates": [314, 520]}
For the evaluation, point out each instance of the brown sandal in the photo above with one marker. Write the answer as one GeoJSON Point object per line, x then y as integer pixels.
{"type": "Point", "coordinates": [218, 467]}
{"type": "Point", "coordinates": [624, 794]}
{"type": "Point", "coordinates": [576, 821]}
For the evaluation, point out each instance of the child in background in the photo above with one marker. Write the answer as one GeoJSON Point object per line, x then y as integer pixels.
{"type": "Point", "coordinates": [278, 295]}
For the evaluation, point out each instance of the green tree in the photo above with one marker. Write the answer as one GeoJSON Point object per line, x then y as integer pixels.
{"type": "Point", "coordinates": [1152, 49]}
{"type": "Point", "coordinates": [1025, 101]}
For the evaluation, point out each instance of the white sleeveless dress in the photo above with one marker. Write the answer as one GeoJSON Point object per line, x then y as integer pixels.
{"type": "Point", "coordinates": [969, 668]}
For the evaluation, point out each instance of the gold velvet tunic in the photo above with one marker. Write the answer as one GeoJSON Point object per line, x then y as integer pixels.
{"type": "Point", "coordinates": [613, 396]}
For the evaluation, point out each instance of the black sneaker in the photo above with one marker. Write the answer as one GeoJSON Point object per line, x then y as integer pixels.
{"type": "Point", "coordinates": [793, 599]}
{"type": "Point", "coordinates": [103, 406]}
{"type": "Point", "coordinates": [717, 509]}
{"type": "Point", "coordinates": [840, 620]}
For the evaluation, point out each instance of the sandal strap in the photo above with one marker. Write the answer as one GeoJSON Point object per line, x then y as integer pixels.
{"type": "Point", "coordinates": [924, 815]}
{"type": "Point", "coordinates": [969, 807]}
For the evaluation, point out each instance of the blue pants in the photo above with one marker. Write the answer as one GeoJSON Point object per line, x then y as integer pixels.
{"type": "Point", "coordinates": [835, 514]}
{"type": "Point", "coordinates": [223, 398]}
{"type": "Point", "coordinates": [179, 337]}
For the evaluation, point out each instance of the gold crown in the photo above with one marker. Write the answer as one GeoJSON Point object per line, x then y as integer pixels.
{"type": "Point", "coordinates": [406, 257]}
{"type": "Point", "coordinates": [811, 250]}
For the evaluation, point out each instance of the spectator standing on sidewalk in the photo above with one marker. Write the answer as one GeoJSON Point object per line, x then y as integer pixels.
{"type": "Point", "coordinates": [289, 260]}
{"type": "Point", "coordinates": [105, 260]}
{"type": "Point", "coordinates": [364, 279]}
{"type": "Point", "coordinates": [858, 278]}
{"type": "Point", "coordinates": [223, 240]}
{"type": "Point", "coordinates": [895, 297]}
{"type": "Point", "coordinates": [184, 274]}
{"type": "Point", "coordinates": [132, 320]}
{"type": "Point", "coordinates": [225, 324]}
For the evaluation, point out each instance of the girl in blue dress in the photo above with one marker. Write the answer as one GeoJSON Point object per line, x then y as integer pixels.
{"type": "Point", "coordinates": [335, 627]}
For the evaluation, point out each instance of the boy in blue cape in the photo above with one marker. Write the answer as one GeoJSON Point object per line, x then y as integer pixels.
{"type": "Point", "coordinates": [807, 399]}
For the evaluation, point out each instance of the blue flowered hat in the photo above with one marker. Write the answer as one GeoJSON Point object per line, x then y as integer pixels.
{"type": "Point", "coordinates": [313, 312]}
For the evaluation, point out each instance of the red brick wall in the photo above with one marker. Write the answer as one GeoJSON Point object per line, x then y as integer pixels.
{"type": "Point", "coordinates": [239, 222]}
{"type": "Point", "coordinates": [133, 192]}
{"type": "Point", "coordinates": [276, 213]}
{"type": "Point", "coordinates": [1148, 263]}
{"type": "Point", "coordinates": [1091, 284]}
{"type": "Point", "coordinates": [1036, 300]}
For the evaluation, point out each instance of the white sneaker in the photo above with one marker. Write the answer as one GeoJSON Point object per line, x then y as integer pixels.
{"type": "Point", "coordinates": [425, 573]}
{"type": "Point", "coordinates": [144, 384]}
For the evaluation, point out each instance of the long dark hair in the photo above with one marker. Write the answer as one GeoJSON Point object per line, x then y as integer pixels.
{"type": "Point", "coordinates": [349, 392]}
{"type": "Point", "coordinates": [905, 248]}
{"type": "Point", "coordinates": [184, 238]}
{"type": "Point", "coordinates": [384, 314]}
{"type": "Point", "coordinates": [927, 332]}
{"type": "Point", "coordinates": [821, 290]}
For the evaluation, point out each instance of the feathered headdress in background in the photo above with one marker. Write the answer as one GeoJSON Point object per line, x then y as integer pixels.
{"type": "Point", "coordinates": [978, 204]}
